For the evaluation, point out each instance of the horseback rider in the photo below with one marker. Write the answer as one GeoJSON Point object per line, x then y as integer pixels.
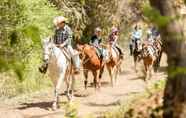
{"type": "Point", "coordinates": [113, 37]}
{"type": "Point", "coordinates": [152, 34]}
{"type": "Point", "coordinates": [135, 36]}
{"type": "Point", "coordinates": [96, 40]}
{"type": "Point", "coordinates": [62, 39]}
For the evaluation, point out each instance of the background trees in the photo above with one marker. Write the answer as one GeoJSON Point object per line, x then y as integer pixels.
{"type": "Point", "coordinates": [174, 39]}
{"type": "Point", "coordinates": [24, 23]}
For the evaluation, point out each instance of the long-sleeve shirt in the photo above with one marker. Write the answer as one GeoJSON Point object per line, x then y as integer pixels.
{"type": "Point", "coordinates": [137, 34]}
{"type": "Point", "coordinates": [63, 35]}
{"type": "Point", "coordinates": [95, 41]}
{"type": "Point", "coordinates": [113, 39]}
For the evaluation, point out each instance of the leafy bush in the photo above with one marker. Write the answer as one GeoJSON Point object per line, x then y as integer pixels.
{"type": "Point", "coordinates": [23, 24]}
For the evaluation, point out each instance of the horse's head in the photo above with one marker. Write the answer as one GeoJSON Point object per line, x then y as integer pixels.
{"type": "Point", "coordinates": [145, 52]}
{"type": "Point", "coordinates": [47, 48]}
{"type": "Point", "coordinates": [80, 49]}
{"type": "Point", "coordinates": [84, 49]}
{"type": "Point", "coordinates": [138, 46]}
{"type": "Point", "coordinates": [88, 53]}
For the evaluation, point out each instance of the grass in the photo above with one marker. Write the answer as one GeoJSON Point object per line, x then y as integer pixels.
{"type": "Point", "coordinates": [11, 87]}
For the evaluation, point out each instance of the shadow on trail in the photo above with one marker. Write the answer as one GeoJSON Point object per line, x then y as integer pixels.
{"type": "Point", "coordinates": [42, 105]}
{"type": "Point", "coordinates": [126, 72]}
{"type": "Point", "coordinates": [115, 103]}
{"type": "Point", "coordinates": [103, 84]}
{"type": "Point", "coordinates": [127, 94]}
{"type": "Point", "coordinates": [138, 78]}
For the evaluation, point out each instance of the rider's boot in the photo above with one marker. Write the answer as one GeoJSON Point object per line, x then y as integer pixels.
{"type": "Point", "coordinates": [76, 63]}
{"type": "Point", "coordinates": [43, 67]}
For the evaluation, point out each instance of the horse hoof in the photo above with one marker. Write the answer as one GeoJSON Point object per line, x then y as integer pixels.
{"type": "Point", "coordinates": [69, 98]}
{"type": "Point", "coordinates": [54, 106]}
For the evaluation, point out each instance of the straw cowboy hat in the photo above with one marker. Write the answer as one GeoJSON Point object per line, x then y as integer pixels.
{"type": "Point", "coordinates": [98, 29]}
{"type": "Point", "coordinates": [57, 20]}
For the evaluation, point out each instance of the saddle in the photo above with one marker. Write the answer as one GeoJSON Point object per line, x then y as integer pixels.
{"type": "Point", "coordinates": [116, 49]}
{"type": "Point", "coordinates": [65, 52]}
{"type": "Point", "coordinates": [98, 52]}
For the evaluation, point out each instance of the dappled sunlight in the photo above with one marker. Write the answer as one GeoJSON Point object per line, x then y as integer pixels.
{"type": "Point", "coordinates": [101, 58]}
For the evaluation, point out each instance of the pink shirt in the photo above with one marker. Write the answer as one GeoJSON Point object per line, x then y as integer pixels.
{"type": "Point", "coordinates": [113, 39]}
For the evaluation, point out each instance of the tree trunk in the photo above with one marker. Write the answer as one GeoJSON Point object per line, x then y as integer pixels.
{"type": "Point", "coordinates": [174, 41]}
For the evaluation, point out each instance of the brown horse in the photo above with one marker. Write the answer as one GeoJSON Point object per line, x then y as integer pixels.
{"type": "Point", "coordinates": [149, 57]}
{"type": "Point", "coordinates": [113, 64]}
{"type": "Point", "coordinates": [91, 62]}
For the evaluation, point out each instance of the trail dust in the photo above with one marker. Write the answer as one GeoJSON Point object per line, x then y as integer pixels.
{"type": "Point", "coordinates": [87, 101]}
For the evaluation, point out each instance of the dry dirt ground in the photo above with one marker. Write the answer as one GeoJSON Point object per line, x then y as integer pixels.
{"type": "Point", "coordinates": [87, 101]}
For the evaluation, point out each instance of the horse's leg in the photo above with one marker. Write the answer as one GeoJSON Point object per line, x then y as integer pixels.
{"type": "Point", "coordinates": [118, 70]}
{"type": "Point", "coordinates": [100, 76]}
{"type": "Point", "coordinates": [68, 83]}
{"type": "Point", "coordinates": [135, 63]}
{"type": "Point", "coordinates": [146, 70]}
{"type": "Point", "coordinates": [85, 72]}
{"type": "Point", "coordinates": [119, 67]}
{"type": "Point", "coordinates": [110, 74]}
{"type": "Point", "coordinates": [151, 69]}
{"type": "Point", "coordinates": [72, 86]}
{"type": "Point", "coordinates": [55, 104]}
{"type": "Point", "coordinates": [116, 74]}
{"type": "Point", "coordinates": [95, 74]}
{"type": "Point", "coordinates": [158, 61]}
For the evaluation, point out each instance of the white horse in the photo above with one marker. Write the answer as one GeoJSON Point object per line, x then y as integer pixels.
{"type": "Point", "coordinates": [60, 70]}
{"type": "Point", "coordinates": [113, 64]}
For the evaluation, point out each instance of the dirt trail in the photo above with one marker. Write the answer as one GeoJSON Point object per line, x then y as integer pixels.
{"type": "Point", "coordinates": [38, 105]}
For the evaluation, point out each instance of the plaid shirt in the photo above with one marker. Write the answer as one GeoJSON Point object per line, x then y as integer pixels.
{"type": "Point", "coordinates": [63, 35]}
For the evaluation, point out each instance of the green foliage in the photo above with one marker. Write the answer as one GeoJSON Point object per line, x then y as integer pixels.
{"type": "Point", "coordinates": [154, 16]}
{"type": "Point", "coordinates": [32, 32]}
{"type": "Point", "coordinates": [23, 24]}
{"type": "Point", "coordinates": [4, 65]}
{"type": "Point", "coordinates": [71, 110]}
{"type": "Point", "coordinates": [174, 71]}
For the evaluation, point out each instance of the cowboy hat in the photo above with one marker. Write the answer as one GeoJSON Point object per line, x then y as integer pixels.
{"type": "Point", "coordinates": [98, 29]}
{"type": "Point", "coordinates": [57, 20]}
